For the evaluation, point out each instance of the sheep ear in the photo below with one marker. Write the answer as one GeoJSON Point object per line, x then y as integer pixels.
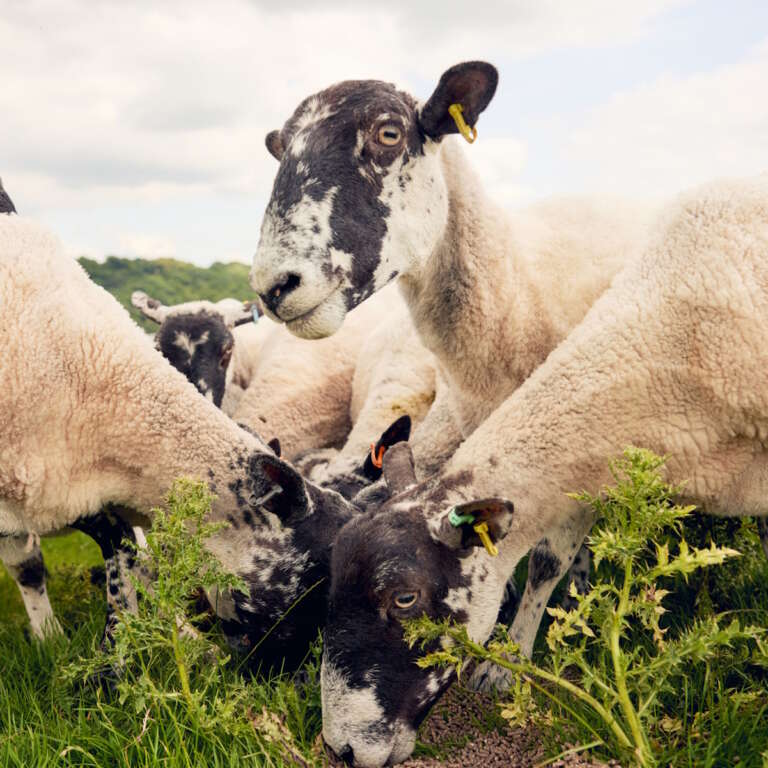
{"type": "Point", "coordinates": [6, 204]}
{"type": "Point", "coordinates": [471, 84]}
{"type": "Point", "coordinates": [149, 307]}
{"type": "Point", "coordinates": [251, 313]}
{"type": "Point", "coordinates": [274, 144]}
{"type": "Point", "coordinates": [398, 468]}
{"type": "Point", "coordinates": [234, 312]}
{"type": "Point", "coordinates": [457, 531]}
{"type": "Point", "coordinates": [279, 488]}
{"type": "Point", "coordinates": [274, 444]}
{"type": "Point", "coordinates": [397, 432]}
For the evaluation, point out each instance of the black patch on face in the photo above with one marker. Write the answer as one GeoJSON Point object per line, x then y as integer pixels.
{"type": "Point", "coordinates": [263, 616]}
{"type": "Point", "coordinates": [207, 366]}
{"type": "Point", "coordinates": [543, 565]}
{"type": "Point", "coordinates": [374, 557]}
{"type": "Point", "coordinates": [331, 158]}
{"type": "Point", "coordinates": [6, 204]}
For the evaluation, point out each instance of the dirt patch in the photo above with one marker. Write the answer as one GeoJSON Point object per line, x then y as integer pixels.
{"type": "Point", "coordinates": [465, 730]}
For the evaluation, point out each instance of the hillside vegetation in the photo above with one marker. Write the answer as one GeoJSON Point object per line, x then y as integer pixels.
{"type": "Point", "coordinates": [168, 280]}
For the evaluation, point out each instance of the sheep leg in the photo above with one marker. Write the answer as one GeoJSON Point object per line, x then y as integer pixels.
{"type": "Point", "coordinates": [762, 529]}
{"type": "Point", "coordinates": [111, 532]}
{"type": "Point", "coordinates": [578, 575]}
{"type": "Point", "coordinates": [22, 557]}
{"type": "Point", "coordinates": [550, 560]}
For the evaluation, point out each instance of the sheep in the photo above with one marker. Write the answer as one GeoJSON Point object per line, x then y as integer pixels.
{"type": "Point", "coordinates": [371, 187]}
{"type": "Point", "coordinates": [285, 387]}
{"type": "Point", "coordinates": [196, 338]}
{"type": "Point", "coordinates": [373, 374]}
{"type": "Point", "coordinates": [95, 425]}
{"type": "Point", "coordinates": [216, 345]}
{"type": "Point", "coordinates": [672, 357]}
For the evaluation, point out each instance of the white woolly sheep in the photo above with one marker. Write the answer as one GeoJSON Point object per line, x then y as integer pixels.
{"type": "Point", "coordinates": [95, 425]}
{"type": "Point", "coordinates": [673, 357]}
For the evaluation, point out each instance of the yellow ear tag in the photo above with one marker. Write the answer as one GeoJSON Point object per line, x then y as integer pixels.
{"type": "Point", "coordinates": [455, 111]}
{"type": "Point", "coordinates": [481, 529]}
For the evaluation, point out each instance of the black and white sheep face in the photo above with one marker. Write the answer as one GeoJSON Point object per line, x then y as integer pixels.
{"type": "Point", "coordinates": [195, 337]}
{"type": "Point", "coordinates": [359, 197]}
{"type": "Point", "coordinates": [199, 346]}
{"type": "Point", "coordinates": [386, 567]}
{"type": "Point", "coordinates": [282, 543]}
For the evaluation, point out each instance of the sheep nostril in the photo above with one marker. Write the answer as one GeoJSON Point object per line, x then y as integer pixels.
{"type": "Point", "coordinates": [347, 755]}
{"type": "Point", "coordinates": [281, 288]}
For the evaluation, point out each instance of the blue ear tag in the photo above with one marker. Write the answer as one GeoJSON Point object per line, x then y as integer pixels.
{"type": "Point", "coordinates": [255, 313]}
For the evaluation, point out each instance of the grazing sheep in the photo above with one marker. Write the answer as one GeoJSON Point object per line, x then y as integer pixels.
{"type": "Point", "coordinates": [95, 426]}
{"type": "Point", "coordinates": [197, 339]}
{"type": "Point", "coordinates": [672, 357]}
{"type": "Point", "coordinates": [372, 187]}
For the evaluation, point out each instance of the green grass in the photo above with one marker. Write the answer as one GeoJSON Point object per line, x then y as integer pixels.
{"type": "Point", "coordinates": [717, 716]}
{"type": "Point", "coordinates": [50, 715]}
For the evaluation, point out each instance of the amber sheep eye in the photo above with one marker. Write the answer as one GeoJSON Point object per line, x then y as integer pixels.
{"type": "Point", "coordinates": [405, 600]}
{"type": "Point", "coordinates": [389, 135]}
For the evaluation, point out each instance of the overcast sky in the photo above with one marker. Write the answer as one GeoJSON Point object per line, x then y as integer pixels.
{"type": "Point", "coordinates": [137, 128]}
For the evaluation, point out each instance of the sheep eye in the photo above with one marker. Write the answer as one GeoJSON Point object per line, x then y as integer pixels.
{"type": "Point", "coordinates": [225, 357]}
{"type": "Point", "coordinates": [405, 600]}
{"type": "Point", "coordinates": [389, 135]}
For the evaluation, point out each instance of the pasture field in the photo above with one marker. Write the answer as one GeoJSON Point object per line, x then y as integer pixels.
{"type": "Point", "coordinates": [52, 713]}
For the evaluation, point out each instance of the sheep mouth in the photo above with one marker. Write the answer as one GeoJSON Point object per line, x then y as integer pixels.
{"type": "Point", "coordinates": [298, 321]}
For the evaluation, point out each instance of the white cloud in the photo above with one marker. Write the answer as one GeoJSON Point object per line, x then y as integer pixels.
{"type": "Point", "coordinates": [676, 132]}
{"type": "Point", "coordinates": [108, 101]}
{"type": "Point", "coordinates": [127, 109]}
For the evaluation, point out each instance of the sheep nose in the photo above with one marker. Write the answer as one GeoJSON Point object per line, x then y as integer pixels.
{"type": "Point", "coordinates": [347, 755]}
{"type": "Point", "coordinates": [284, 285]}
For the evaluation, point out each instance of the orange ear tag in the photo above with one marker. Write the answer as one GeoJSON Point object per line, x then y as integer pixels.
{"type": "Point", "coordinates": [377, 461]}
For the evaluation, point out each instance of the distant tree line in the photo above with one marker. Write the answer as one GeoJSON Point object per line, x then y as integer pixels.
{"type": "Point", "coordinates": [167, 280]}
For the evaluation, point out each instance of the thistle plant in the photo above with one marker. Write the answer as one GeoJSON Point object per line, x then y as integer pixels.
{"type": "Point", "coordinates": [156, 652]}
{"type": "Point", "coordinates": [615, 662]}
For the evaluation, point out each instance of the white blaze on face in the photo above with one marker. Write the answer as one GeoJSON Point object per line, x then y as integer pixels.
{"type": "Point", "coordinates": [353, 717]}
{"type": "Point", "coordinates": [417, 214]}
{"type": "Point", "coordinates": [480, 600]}
{"type": "Point", "coordinates": [316, 308]}
{"type": "Point", "coordinates": [183, 341]}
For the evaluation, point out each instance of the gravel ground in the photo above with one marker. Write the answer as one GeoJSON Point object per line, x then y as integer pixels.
{"type": "Point", "coordinates": [465, 730]}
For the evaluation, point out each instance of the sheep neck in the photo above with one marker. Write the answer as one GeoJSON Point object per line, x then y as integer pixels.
{"type": "Point", "coordinates": [473, 302]}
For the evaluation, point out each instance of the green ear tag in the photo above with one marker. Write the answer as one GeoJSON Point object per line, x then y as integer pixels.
{"type": "Point", "coordinates": [455, 519]}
